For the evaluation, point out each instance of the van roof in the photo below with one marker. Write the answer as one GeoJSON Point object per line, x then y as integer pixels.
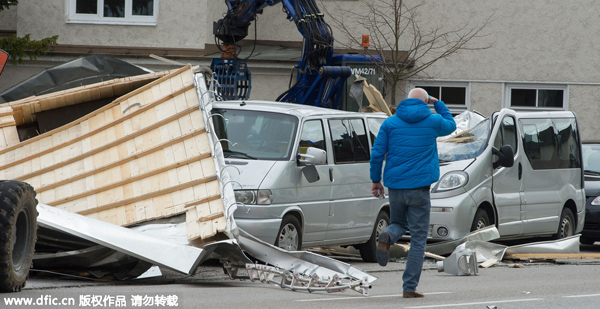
{"type": "Point", "coordinates": [300, 110]}
{"type": "Point", "coordinates": [544, 114]}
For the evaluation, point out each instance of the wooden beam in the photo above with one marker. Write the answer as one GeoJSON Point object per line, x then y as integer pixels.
{"type": "Point", "coordinates": [550, 256]}
{"type": "Point", "coordinates": [204, 200]}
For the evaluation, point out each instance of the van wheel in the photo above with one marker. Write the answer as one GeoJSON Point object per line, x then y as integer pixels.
{"type": "Point", "coordinates": [481, 220]}
{"type": "Point", "coordinates": [566, 225]}
{"type": "Point", "coordinates": [18, 232]}
{"type": "Point", "coordinates": [367, 250]}
{"type": "Point", "coordinates": [586, 240]}
{"type": "Point", "coordinates": [289, 236]}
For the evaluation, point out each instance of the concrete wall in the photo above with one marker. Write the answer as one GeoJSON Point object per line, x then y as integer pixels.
{"type": "Point", "coordinates": [180, 24]}
{"type": "Point", "coordinates": [8, 19]}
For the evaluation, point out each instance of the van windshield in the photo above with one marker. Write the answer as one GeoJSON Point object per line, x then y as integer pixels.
{"type": "Point", "coordinates": [254, 135]}
{"type": "Point", "coordinates": [465, 145]}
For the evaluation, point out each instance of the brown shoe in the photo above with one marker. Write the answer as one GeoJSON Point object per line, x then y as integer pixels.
{"type": "Point", "coordinates": [383, 246]}
{"type": "Point", "coordinates": [414, 294]}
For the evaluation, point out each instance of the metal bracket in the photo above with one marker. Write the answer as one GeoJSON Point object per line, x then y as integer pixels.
{"type": "Point", "coordinates": [296, 281]}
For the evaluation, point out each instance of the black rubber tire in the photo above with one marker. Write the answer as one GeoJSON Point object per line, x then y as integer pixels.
{"type": "Point", "coordinates": [586, 240]}
{"type": "Point", "coordinates": [289, 224]}
{"type": "Point", "coordinates": [367, 250]}
{"type": "Point", "coordinates": [18, 233]}
{"type": "Point", "coordinates": [481, 220]}
{"type": "Point", "coordinates": [566, 225]}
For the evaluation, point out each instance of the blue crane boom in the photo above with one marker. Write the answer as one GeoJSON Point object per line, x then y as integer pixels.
{"type": "Point", "coordinates": [318, 82]}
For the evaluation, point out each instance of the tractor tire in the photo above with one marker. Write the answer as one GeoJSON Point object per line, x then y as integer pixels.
{"type": "Point", "coordinates": [18, 233]}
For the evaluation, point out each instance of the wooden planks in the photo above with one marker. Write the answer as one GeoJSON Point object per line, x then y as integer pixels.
{"type": "Point", "coordinates": [142, 157]}
{"type": "Point", "coordinates": [550, 256]}
{"type": "Point", "coordinates": [8, 129]}
{"type": "Point", "coordinates": [25, 109]}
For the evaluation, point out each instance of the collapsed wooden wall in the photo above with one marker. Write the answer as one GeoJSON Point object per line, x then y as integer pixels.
{"type": "Point", "coordinates": [142, 157]}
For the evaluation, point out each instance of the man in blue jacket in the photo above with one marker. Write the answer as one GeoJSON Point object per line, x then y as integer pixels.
{"type": "Point", "coordinates": [407, 142]}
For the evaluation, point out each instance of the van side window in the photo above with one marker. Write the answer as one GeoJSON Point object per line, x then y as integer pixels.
{"type": "Point", "coordinates": [568, 143]}
{"type": "Point", "coordinates": [349, 139]}
{"type": "Point", "coordinates": [539, 141]}
{"type": "Point", "coordinates": [374, 124]}
{"type": "Point", "coordinates": [507, 135]}
{"type": "Point", "coordinates": [312, 136]}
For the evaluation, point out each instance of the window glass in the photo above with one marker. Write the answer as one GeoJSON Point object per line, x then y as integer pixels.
{"type": "Point", "coordinates": [532, 97]}
{"type": "Point", "coordinates": [432, 91]}
{"type": "Point", "coordinates": [312, 136]}
{"type": "Point", "coordinates": [114, 8]}
{"type": "Point", "coordinates": [143, 7]}
{"type": "Point", "coordinates": [568, 143]}
{"type": "Point", "coordinates": [86, 7]}
{"type": "Point", "coordinates": [591, 158]}
{"type": "Point", "coordinates": [550, 98]}
{"type": "Point", "coordinates": [523, 97]}
{"type": "Point", "coordinates": [122, 12]}
{"type": "Point", "coordinates": [509, 133]}
{"type": "Point", "coordinates": [472, 143]}
{"type": "Point", "coordinates": [450, 95]}
{"type": "Point", "coordinates": [540, 143]}
{"type": "Point", "coordinates": [374, 125]}
{"type": "Point", "coordinates": [349, 139]}
{"type": "Point", "coordinates": [254, 135]}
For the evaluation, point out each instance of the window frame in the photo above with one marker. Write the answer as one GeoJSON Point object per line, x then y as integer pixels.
{"type": "Point", "coordinates": [129, 19]}
{"type": "Point", "coordinates": [508, 87]}
{"type": "Point", "coordinates": [336, 158]}
{"type": "Point", "coordinates": [455, 109]}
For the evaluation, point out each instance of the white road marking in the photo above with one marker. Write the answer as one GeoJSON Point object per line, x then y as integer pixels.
{"type": "Point", "coordinates": [355, 297]}
{"type": "Point", "coordinates": [588, 295]}
{"type": "Point", "coordinates": [491, 302]}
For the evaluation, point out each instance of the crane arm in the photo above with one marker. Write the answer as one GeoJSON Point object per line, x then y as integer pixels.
{"type": "Point", "coordinates": [317, 82]}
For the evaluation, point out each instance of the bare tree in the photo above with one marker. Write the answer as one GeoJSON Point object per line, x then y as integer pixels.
{"type": "Point", "coordinates": [408, 43]}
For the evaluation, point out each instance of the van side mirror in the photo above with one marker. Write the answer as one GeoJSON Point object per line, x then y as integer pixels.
{"type": "Point", "coordinates": [506, 156]}
{"type": "Point", "coordinates": [313, 156]}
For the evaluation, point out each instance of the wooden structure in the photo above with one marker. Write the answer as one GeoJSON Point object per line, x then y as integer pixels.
{"type": "Point", "coordinates": [142, 157]}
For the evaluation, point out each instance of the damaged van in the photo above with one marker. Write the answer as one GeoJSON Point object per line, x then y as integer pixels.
{"type": "Point", "coordinates": [519, 171]}
{"type": "Point", "coordinates": [301, 174]}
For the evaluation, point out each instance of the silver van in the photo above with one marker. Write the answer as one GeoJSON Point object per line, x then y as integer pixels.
{"type": "Point", "coordinates": [519, 171]}
{"type": "Point", "coordinates": [302, 175]}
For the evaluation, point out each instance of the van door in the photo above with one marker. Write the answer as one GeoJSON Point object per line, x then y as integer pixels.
{"type": "Point", "coordinates": [507, 181]}
{"type": "Point", "coordinates": [314, 198]}
{"type": "Point", "coordinates": [351, 209]}
{"type": "Point", "coordinates": [541, 200]}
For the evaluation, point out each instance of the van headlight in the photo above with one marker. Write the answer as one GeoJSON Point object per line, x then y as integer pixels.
{"type": "Point", "coordinates": [451, 180]}
{"type": "Point", "coordinates": [596, 201]}
{"type": "Point", "coordinates": [254, 197]}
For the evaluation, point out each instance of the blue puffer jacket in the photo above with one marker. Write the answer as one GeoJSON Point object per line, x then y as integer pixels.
{"type": "Point", "coordinates": [407, 141]}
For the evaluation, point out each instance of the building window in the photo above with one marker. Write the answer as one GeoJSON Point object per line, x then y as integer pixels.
{"type": "Point", "coordinates": [454, 95]}
{"type": "Point", "coordinates": [120, 12]}
{"type": "Point", "coordinates": [531, 97]}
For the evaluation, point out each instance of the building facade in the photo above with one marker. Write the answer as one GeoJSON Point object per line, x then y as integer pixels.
{"type": "Point", "coordinates": [540, 55]}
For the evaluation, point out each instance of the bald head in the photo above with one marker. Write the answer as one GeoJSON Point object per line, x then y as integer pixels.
{"type": "Point", "coordinates": [418, 93]}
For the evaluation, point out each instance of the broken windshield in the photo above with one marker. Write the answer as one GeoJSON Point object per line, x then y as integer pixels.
{"type": "Point", "coordinates": [254, 135]}
{"type": "Point", "coordinates": [467, 144]}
